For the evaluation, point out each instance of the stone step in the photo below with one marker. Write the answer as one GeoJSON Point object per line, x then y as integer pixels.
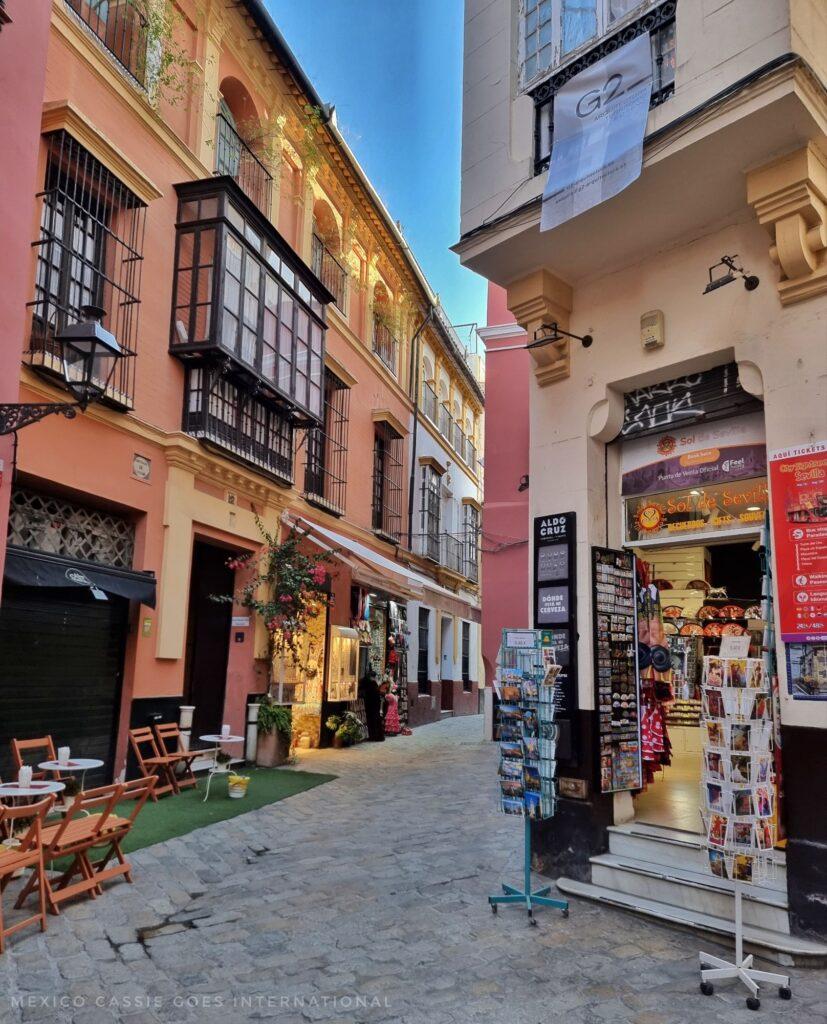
{"type": "Point", "coordinates": [673, 848]}
{"type": "Point", "coordinates": [779, 947]}
{"type": "Point", "coordinates": [446, 714]}
{"type": "Point", "coordinates": [764, 906]}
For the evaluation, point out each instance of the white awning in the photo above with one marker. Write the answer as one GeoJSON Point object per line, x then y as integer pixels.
{"type": "Point", "coordinates": [379, 571]}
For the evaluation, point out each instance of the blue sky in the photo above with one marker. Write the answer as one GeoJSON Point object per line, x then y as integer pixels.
{"type": "Point", "coordinates": [394, 72]}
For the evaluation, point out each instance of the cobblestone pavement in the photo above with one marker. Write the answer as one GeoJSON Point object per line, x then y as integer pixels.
{"type": "Point", "coordinates": [363, 900]}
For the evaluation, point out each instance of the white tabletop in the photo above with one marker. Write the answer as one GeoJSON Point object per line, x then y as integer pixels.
{"type": "Point", "coordinates": [39, 788]}
{"type": "Point", "coordinates": [74, 764]}
{"type": "Point", "coordinates": [222, 739]}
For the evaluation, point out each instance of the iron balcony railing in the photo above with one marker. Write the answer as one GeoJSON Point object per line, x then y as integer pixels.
{"type": "Point", "coordinates": [427, 545]}
{"type": "Point", "coordinates": [469, 454]}
{"type": "Point", "coordinates": [445, 422]}
{"type": "Point", "coordinates": [429, 402]}
{"type": "Point", "coordinates": [451, 554]}
{"type": "Point", "coordinates": [329, 271]}
{"type": "Point", "coordinates": [385, 344]}
{"type": "Point", "coordinates": [455, 551]}
{"type": "Point", "coordinates": [234, 157]}
{"type": "Point", "coordinates": [122, 28]}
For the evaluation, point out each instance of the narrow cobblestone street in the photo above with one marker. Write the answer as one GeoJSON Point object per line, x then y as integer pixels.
{"type": "Point", "coordinates": [362, 900]}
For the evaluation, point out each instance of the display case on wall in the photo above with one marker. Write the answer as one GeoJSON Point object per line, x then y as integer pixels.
{"type": "Point", "coordinates": [342, 676]}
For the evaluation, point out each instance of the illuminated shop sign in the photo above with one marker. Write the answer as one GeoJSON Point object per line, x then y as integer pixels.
{"type": "Point", "coordinates": [697, 511]}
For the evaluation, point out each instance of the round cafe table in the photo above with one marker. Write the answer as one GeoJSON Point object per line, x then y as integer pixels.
{"type": "Point", "coordinates": [31, 793]}
{"type": "Point", "coordinates": [73, 765]}
{"type": "Point", "coordinates": [215, 769]}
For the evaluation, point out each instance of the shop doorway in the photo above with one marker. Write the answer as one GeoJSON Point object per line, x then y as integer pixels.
{"type": "Point", "coordinates": [705, 592]}
{"type": "Point", "coordinates": [208, 636]}
{"type": "Point", "coordinates": [446, 662]}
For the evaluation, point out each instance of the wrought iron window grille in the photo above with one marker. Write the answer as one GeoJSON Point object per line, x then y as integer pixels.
{"type": "Point", "coordinates": [387, 482]}
{"type": "Point", "coordinates": [329, 270]}
{"type": "Point", "coordinates": [325, 471]}
{"type": "Point", "coordinates": [89, 253]}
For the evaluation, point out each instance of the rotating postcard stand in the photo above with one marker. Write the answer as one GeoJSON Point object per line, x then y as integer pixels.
{"type": "Point", "coordinates": [738, 800]}
{"type": "Point", "coordinates": [528, 746]}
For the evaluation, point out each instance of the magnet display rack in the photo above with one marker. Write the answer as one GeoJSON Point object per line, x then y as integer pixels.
{"type": "Point", "coordinates": [528, 752]}
{"type": "Point", "coordinates": [616, 672]}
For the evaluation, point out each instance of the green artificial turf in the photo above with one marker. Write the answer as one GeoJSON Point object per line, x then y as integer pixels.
{"type": "Point", "coordinates": [177, 815]}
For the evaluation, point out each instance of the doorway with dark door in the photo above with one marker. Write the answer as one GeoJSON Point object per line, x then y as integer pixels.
{"type": "Point", "coordinates": [208, 636]}
{"type": "Point", "coordinates": [446, 665]}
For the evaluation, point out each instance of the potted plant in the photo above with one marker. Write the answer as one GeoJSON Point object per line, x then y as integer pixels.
{"type": "Point", "coordinates": [275, 728]}
{"type": "Point", "coordinates": [237, 785]}
{"type": "Point", "coordinates": [346, 729]}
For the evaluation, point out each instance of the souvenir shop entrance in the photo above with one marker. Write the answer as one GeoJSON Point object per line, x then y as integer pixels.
{"type": "Point", "coordinates": [692, 597]}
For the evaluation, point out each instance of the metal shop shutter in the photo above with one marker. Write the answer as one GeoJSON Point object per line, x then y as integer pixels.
{"type": "Point", "coordinates": [61, 661]}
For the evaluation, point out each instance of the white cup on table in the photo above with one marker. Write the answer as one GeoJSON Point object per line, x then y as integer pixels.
{"type": "Point", "coordinates": [225, 730]}
{"type": "Point", "coordinates": [24, 776]}
{"type": "Point", "coordinates": [63, 755]}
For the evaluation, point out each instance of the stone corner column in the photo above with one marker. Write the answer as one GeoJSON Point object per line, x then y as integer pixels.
{"type": "Point", "coordinates": [537, 299]}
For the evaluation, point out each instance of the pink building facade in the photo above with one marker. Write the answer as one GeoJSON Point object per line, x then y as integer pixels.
{"type": "Point", "coordinates": [505, 506]}
{"type": "Point", "coordinates": [24, 37]}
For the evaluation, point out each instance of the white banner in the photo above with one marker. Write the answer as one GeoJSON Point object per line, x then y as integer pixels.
{"type": "Point", "coordinates": [599, 124]}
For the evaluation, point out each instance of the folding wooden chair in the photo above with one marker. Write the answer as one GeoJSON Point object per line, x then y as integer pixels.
{"type": "Point", "coordinates": [28, 854]}
{"type": "Point", "coordinates": [74, 836]}
{"type": "Point", "coordinates": [117, 828]}
{"type": "Point", "coordinates": [35, 750]}
{"type": "Point", "coordinates": [170, 743]}
{"type": "Point", "coordinates": [152, 762]}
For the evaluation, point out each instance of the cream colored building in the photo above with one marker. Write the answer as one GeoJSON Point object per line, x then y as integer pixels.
{"type": "Point", "coordinates": [735, 164]}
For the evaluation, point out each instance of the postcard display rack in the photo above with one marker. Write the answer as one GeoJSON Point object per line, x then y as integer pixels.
{"type": "Point", "coordinates": [738, 798]}
{"type": "Point", "coordinates": [528, 751]}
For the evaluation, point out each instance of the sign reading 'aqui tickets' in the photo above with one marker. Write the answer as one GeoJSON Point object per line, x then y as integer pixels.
{"type": "Point", "coordinates": [798, 481]}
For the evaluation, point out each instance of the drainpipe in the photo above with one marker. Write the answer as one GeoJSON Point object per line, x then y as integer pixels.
{"type": "Point", "coordinates": [414, 378]}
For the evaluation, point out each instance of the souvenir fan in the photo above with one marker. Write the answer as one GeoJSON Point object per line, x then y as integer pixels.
{"type": "Point", "coordinates": [753, 612]}
{"type": "Point", "coordinates": [731, 611]}
{"type": "Point", "coordinates": [713, 629]}
{"type": "Point", "coordinates": [672, 611]}
{"type": "Point", "coordinates": [731, 629]}
{"type": "Point", "coordinates": [691, 629]}
{"type": "Point", "coordinates": [708, 611]}
{"type": "Point", "coordinates": [670, 629]}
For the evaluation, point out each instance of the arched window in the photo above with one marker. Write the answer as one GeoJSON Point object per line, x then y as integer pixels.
{"type": "Point", "coordinates": [327, 250]}
{"type": "Point", "coordinates": [385, 344]}
{"type": "Point", "coordinates": [238, 138]}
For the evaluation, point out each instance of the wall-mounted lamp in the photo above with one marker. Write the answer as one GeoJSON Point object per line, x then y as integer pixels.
{"type": "Point", "coordinates": [523, 483]}
{"type": "Point", "coordinates": [547, 333]}
{"type": "Point", "coordinates": [724, 273]}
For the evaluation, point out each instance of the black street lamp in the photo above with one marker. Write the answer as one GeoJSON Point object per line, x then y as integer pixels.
{"type": "Point", "coordinates": [89, 354]}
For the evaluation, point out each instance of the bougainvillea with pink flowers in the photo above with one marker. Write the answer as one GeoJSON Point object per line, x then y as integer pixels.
{"type": "Point", "coordinates": [285, 588]}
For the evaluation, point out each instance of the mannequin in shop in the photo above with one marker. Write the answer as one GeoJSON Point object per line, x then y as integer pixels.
{"type": "Point", "coordinates": [370, 693]}
{"type": "Point", "coordinates": [391, 707]}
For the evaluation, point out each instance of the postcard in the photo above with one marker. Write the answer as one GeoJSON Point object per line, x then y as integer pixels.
{"type": "Point", "coordinates": [715, 732]}
{"type": "Point", "coordinates": [761, 707]}
{"type": "Point", "coordinates": [531, 748]}
{"type": "Point", "coordinates": [742, 803]}
{"type": "Point", "coordinates": [714, 765]}
{"type": "Point", "coordinates": [714, 797]}
{"type": "Point", "coordinates": [761, 769]}
{"type": "Point", "coordinates": [511, 787]}
{"type": "Point", "coordinates": [530, 690]}
{"type": "Point", "coordinates": [717, 829]}
{"type": "Point", "coordinates": [531, 778]}
{"type": "Point", "coordinates": [532, 804]}
{"type": "Point", "coordinates": [510, 692]}
{"type": "Point", "coordinates": [512, 805]}
{"type": "Point", "coordinates": [511, 770]}
{"type": "Point", "coordinates": [742, 867]}
{"type": "Point", "coordinates": [739, 767]}
{"type": "Point", "coordinates": [757, 676]}
{"type": "Point", "coordinates": [717, 863]}
{"type": "Point", "coordinates": [714, 672]}
{"type": "Point", "coordinates": [765, 834]}
{"type": "Point", "coordinates": [511, 751]}
{"type": "Point", "coordinates": [713, 704]}
{"type": "Point", "coordinates": [763, 802]}
{"type": "Point", "coordinates": [530, 723]}
{"type": "Point", "coordinates": [742, 833]}
{"type": "Point", "coordinates": [737, 673]}
{"type": "Point", "coordinates": [739, 736]}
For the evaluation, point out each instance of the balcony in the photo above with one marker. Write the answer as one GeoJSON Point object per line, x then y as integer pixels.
{"type": "Point", "coordinates": [222, 412]}
{"type": "Point", "coordinates": [121, 28]}
{"type": "Point", "coordinates": [455, 552]}
{"type": "Point", "coordinates": [427, 545]}
{"type": "Point", "coordinates": [429, 402]}
{"type": "Point", "coordinates": [242, 297]}
{"type": "Point", "coordinates": [451, 553]}
{"type": "Point", "coordinates": [385, 344]}
{"type": "Point", "coordinates": [658, 23]}
{"type": "Point", "coordinates": [330, 272]}
{"type": "Point", "coordinates": [235, 158]}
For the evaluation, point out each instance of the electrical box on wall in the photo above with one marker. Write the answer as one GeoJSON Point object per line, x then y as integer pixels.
{"type": "Point", "coordinates": [651, 330]}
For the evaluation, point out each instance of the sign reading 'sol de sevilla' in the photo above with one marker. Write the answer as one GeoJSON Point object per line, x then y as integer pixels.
{"type": "Point", "coordinates": [798, 487]}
